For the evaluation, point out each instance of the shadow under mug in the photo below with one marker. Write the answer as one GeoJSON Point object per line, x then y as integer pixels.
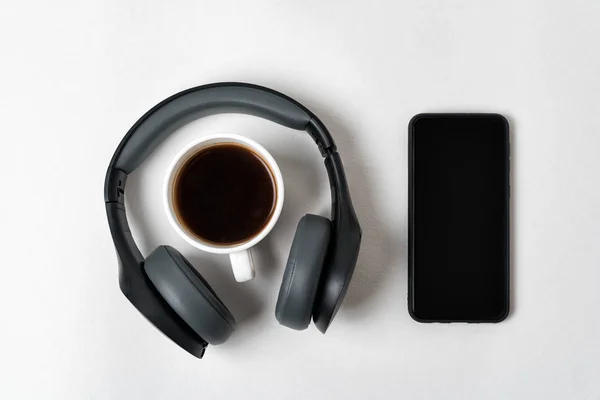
{"type": "Point", "coordinates": [240, 253]}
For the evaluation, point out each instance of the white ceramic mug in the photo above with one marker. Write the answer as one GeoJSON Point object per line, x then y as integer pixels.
{"type": "Point", "coordinates": [240, 253]}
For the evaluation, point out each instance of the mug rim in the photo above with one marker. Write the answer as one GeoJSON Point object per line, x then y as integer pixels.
{"type": "Point", "coordinates": [168, 184]}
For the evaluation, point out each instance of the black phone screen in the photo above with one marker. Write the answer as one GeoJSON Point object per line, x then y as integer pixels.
{"type": "Point", "coordinates": [458, 217]}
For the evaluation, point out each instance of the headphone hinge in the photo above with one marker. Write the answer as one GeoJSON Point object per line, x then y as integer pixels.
{"type": "Point", "coordinates": [321, 136]}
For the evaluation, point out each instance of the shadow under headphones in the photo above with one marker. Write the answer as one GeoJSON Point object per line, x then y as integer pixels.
{"type": "Point", "coordinates": [168, 290]}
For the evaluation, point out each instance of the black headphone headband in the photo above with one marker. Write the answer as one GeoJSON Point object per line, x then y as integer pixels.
{"type": "Point", "coordinates": [181, 108]}
{"type": "Point", "coordinates": [174, 112]}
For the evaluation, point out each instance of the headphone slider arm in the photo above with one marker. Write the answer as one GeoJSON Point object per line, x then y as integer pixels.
{"type": "Point", "coordinates": [114, 186]}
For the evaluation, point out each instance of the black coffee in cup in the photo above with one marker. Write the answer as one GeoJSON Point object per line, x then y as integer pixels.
{"type": "Point", "coordinates": [224, 194]}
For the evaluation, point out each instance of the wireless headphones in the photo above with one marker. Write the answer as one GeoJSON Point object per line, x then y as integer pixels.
{"type": "Point", "coordinates": [168, 290]}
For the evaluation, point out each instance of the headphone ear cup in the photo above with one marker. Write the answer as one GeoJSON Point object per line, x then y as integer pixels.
{"type": "Point", "coordinates": [189, 295]}
{"type": "Point", "coordinates": [303, 271]}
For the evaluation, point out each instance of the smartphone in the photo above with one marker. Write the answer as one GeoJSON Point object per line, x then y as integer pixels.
{"type": "Point", "coordinates": [458, 235]}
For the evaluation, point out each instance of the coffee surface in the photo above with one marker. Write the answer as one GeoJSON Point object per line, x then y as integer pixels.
{"type": "Point", "coordinates": [224, 194]}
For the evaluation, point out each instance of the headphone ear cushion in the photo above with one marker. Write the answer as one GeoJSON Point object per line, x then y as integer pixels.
{"type": "Point", "coordinates": [302, 272]}
{"type": "Point", "coordinates": [189, 295]}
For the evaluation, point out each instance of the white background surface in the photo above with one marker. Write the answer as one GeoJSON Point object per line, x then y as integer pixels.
{"type": "Point", "coordinates": [74, 76]}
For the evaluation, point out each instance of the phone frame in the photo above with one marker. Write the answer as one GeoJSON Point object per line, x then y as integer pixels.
{"type": "Point", "coordinates": [411, 226]}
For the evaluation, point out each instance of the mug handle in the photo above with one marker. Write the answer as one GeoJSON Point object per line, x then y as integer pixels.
{"type": "Point", "coordinates": [242, 265]}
